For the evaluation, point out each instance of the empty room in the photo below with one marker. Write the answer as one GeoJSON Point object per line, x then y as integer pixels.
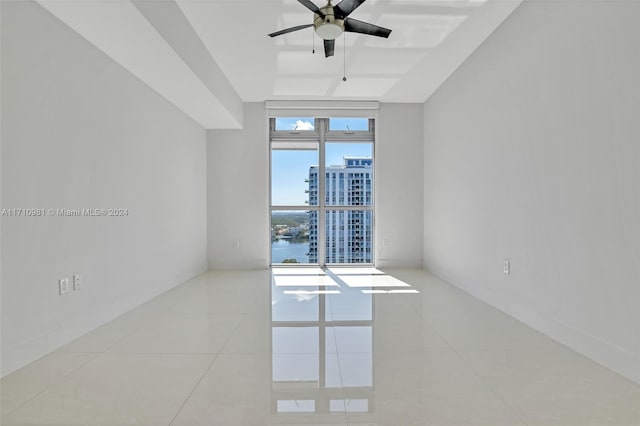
{"type": "Point", "coordinates": [312, 212]}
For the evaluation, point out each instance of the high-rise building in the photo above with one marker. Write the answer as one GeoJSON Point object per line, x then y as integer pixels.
{"type": "Point", "coordinates": [348, 232]}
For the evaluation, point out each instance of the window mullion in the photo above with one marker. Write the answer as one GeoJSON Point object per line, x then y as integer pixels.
{"type": "Point", "coordinates": [322, 234]}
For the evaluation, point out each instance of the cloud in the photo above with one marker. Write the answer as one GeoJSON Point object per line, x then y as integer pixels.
{"type": "Point", "coordinates": [305, 297]}
{"type": "Point", "coordinates": [304, 125]}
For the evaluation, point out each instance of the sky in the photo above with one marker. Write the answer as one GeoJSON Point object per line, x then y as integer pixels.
{"type": "Point", "coordinates": [290, 168]}
{"type": "Point", "coordinates": [306, 123]}
{"type": "Point", "coordinates": [297, 123]}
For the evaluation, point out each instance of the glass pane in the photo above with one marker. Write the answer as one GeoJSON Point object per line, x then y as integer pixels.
{"type": "Point", "coordinates": [291, 171]}
{"type": "Point", "coordinates": [295, 123]}
{"type": "Point", "coordinates": [290, 237]}
{"type": "Point", "coordinates": [349, 237]}
{"type": "Point", "coordinates": [349, 124]}
{"type": "Point", "coordinates": [349, 174]}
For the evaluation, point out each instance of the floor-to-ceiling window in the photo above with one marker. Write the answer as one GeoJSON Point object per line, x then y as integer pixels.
{"type": "Point", "coordinates": [322, 177]}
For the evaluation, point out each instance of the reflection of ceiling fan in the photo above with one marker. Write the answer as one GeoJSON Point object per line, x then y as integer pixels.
{"type": "Point", "coordinates": [331, 21]}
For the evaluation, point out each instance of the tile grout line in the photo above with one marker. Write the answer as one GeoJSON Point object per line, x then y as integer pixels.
{"type": "Point", "coordinates": [134, 330]}
{"type": "Point", "coordinates": [335, 340]}
{"type": "Point", "coordinates": [495, 393]}
{"type": "Point", "coordinates": [94, 356]}
{"type": "Point", "coordinates": [245, 315]}
{"type": "Point", "coordinates": [197, 384]}
{"type": "Point", "coordinates": [50, 386]}
{"type": "Point", "coordinates": [475, 373]}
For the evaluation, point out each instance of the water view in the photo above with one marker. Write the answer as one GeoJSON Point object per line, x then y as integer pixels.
{"type": "Point", "coordinates": [290, 237]}
{"type": "Point", "coordinates": [284, 251]}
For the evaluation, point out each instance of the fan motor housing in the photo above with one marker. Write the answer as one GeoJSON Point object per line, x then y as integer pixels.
{"type": "Point", "coordinates": [328, 28]}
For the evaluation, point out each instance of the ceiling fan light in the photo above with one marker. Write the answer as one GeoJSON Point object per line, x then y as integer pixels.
{"type": "Point", "coordinates": [329, 31]}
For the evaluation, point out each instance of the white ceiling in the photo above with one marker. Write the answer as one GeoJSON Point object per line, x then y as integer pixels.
{"type": "Point", "coordinates": [209, 56]}
{"type": "Point", "coordinates": [430, 39]}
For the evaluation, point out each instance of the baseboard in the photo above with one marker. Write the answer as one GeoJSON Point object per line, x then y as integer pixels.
{"type": "Point", "coordinates": [18, 356]}
{"type": "Point", "coordinates": [399, 263]}
{"type": "Point", "coordinates": [622, 362]}
{"type": "Point", "coordinates": [239, 265]}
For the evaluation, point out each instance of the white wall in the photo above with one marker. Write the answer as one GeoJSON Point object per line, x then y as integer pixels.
{"type": "Point", "coordinates": [238, 189]}
{"type": "Point", "coordinates": [81, 132]}
{"type": "Point", "coordinates": [399, 189]}
{"type": "Point", "coordinates": [238, 193]}
{"type": "Point", "coordinates": [532, 154]}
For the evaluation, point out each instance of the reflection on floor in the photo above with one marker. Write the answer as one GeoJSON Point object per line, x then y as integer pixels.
{"type": "Point", "coordinates": [345, 346]}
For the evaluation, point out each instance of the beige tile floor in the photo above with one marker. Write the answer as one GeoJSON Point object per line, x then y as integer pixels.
{"type": "Point", "coordinates": [366, 348]}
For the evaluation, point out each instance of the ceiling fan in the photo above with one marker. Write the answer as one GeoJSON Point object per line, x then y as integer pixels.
{"type": "Point", "coordinates": [331, 21]}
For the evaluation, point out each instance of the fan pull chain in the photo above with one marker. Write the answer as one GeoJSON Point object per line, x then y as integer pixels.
{"type": "Point", "coordinates": [344, 75]}
{"type": "Point", "coordinates": [313, 36]}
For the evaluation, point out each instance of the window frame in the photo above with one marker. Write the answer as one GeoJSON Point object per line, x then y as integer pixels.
{"type": "Point", "coordinates": [287, 139]}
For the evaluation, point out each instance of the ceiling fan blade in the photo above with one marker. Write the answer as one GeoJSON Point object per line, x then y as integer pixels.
{"type": "Point", "coordinates": [345, 7]}
{"type": "Point", "coordinates": [312, 7]}
{"type": "Point", "coordinates": [354, 26]}
{"type": "Point", "coordinates": [290, 30]}
{"type": "Point", "coordinates": [329, 47]}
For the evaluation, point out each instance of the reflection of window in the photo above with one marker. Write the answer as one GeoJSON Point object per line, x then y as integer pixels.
{"type": "Point", "coordinates": [308, 324]}
{"type": "Point", "coordinates": [349, 405]}
{"type": "Point", "coordinates": [296, 406]}
{"type": "Point", "coordinates": [296, 369]}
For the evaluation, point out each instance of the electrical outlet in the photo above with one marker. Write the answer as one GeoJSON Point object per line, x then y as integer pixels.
{"type": "Point", "coordinates": [76, 282]}
{"type": "Point", "coordinates": [506, 267]}
{"type": "Point", "coordinates": [385, 243]}
{"type": "Point", "coordinates": [63, 285]}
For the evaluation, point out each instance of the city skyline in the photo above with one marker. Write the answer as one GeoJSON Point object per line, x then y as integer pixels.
{"type": "Point", "coordinates": [290, 169]}
{"type": "Point", "coordinates": [348, 233]}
